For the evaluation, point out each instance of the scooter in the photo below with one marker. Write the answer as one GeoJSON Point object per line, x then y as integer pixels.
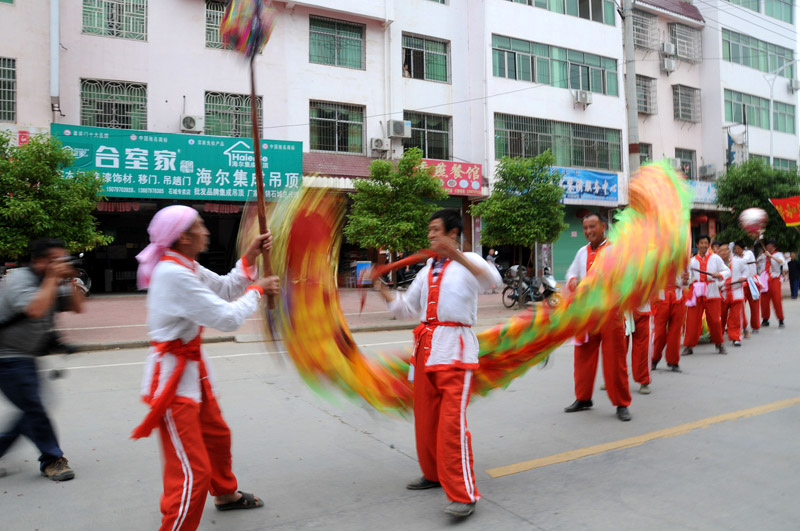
{"type": "Point", "coordinates": [545, 288]}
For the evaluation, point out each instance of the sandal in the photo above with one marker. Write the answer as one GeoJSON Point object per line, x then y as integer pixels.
{"type": "Point", "coordinates": [247, 501]}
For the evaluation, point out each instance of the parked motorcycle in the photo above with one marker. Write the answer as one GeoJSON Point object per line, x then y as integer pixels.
{"type": "Point", "coordinates": [536, 289]}
{"type": "Point", "coordinates": [545, 288]}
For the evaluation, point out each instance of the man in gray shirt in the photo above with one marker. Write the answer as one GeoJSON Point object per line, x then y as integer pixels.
{"type": "Point", "coordinates": [29, 297]}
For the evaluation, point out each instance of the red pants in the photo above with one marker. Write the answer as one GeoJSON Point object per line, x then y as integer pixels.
{"type": "Point", "coordinates": [615, 368]}
{"type": "Point", "coordinates": [670, 314]}
{"type": "Point", "coordinates": [444, 444]}
{"type": "Point", "coordinates": [640, 351]}
{"type": "Point", "coordinates": [694, 322]}
{"type": "Point", "coordinates": [731, 316]}
{"type": "Point", "coordinates": [755, 309]}
{"type": "Point", "coordinates": [196, 446]}
{"type": "Point", "coordinates": [773, 294]}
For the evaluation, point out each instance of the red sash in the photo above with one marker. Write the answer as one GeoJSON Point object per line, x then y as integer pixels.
{"type": "Point", "coordinates": [591, 254]}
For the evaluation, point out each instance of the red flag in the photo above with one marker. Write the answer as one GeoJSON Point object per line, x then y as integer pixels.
{"type": "Point", "coordinates": [789, 209]}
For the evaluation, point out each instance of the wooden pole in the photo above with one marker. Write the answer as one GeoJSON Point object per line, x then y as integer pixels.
{"type": "Point", "coordinates": [261, 206]}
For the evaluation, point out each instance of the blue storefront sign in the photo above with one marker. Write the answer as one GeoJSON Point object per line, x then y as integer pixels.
{"type": "Point", "coordinates": [704, 192]}
{"type": "Point", "coordinates": [589, 186]}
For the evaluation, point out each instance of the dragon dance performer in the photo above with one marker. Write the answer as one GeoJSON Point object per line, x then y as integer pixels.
{"type": "Point", "coordinates": [670, 312]}
{"type": "Point", "coordinates": [640, 347]}
{"type": "Point", "coordinates": [752, 292]}
{"type": "Point", "coordinates": [732, 303]}
{"type": "Point", "coordinates": [611, 336]}
{"type": "Point", "coordinates": [183, 298]}
{"type": "Point", "coordinates": [444, 295]}
{"type": "Point", "coordinates": [705, 268]}
{"type": "Point", "coordinates": [769, 263]}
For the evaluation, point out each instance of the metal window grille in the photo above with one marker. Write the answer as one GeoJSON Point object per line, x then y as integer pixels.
{"type": "Point", "coordinates": [645, 31]}
{"type": "Point", "coordinates": [126, 19]}
{"type": "Point", "coordinates": [334, 42]}
{"type": "Point", "coordinates": [687, 41]}
{"type": "Point", "coordinates": [113, 104]}
{"type": "Point", "coordinates": [426, 59]}
{"type": "Point", "coordinates": [336, 127]}
{"type": "Point", "coordinates": [645, 153]}
{"type": "Point", "coordinates": [686, 158]}
{"type": "Point", "coordinates": [214, 13]}
{"type": "Point", "coordinates": [574, 145]}
{"type": "Point", "coordinates": [430, 133]}
{"type": "Point", "coordinates": [8, 89]}
{"type": "Point", "coordinates": [686, 103]}
{"type": "Point", "coordinates": [230, 115]}
{"type": "Point", "coordinates": [646, 95]}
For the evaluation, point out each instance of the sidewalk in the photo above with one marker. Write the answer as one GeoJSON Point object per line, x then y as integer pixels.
{"type": "Point", "coordinates": [119, 321]}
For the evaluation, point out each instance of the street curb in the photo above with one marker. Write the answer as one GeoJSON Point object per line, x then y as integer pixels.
{"type": "Point", "coordinates": [139, 343]}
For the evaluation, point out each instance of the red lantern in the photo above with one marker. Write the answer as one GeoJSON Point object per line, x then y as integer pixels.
{"type": "Point", "coordinates": [702, 218]}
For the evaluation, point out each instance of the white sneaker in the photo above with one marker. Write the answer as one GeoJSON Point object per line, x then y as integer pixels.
{"type": "Point", "coordinates": [644, 389]}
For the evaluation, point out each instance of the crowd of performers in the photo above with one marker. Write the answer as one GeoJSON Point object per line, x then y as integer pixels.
{"type": "Point", "coordinates": [184, 297]}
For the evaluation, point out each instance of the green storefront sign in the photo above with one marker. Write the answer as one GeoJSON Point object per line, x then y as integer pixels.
{"type": "Point", "coordinates": [146, 164]}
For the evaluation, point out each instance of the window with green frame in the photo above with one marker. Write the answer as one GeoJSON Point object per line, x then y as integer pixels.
{"type": "Point", "coordinates": [8, 89]}
{"type": "Point", "coordinates": [126, 19]}
{"type": "Point", "coordinates": [688, 161]}
{"type": "Point", "coordinates": [756, 109]}
{"type": "Point", "coordinates": [230, 114]}
{"type": "Point", "coordinates": [425, 58]}
{"type": "Point", "coordinates": [782, 117]}
{"type": "Point", "coordinates": [645, 153]}
{"type": "Point", "coordinates": [781, 164]}
{"type": "Point", "coordinates": [780, 9]}
{"type": "Point", "coordinates": [573, 145]}
{"type": "Point", "coordinates": [335, 42]}
{"type": "Point", "coordinates": [749, 4]}
{"type": "Point", "coordinates": [550, 65]}
{"type": "Point", "coordinates": [336, 127]}
{"type": "Point", "coordinates": [430, 133]}
{"type": "Point", "coordinates": [114, 104]}
{"type": "Point", "coordinates": [763, 56]}
{"type": "Point", "coordinates": [597, 10]}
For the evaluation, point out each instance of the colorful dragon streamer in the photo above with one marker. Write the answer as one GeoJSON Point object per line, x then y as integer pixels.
{"type": "Point", "coordinates": [650, 244]}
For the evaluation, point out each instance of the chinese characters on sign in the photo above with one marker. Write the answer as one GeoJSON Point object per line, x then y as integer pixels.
{"type": "Point", "coordinates": [458, 178]}
{"type": "Point", "coordinates": [588, 185]}
{"type": "Point", "coordinates": [789, 209]}
{"type": "Point", "coordinates": [179, 166]}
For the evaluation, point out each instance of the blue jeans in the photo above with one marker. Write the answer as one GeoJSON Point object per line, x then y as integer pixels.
{"type": "Point", "coordinates": [20, 383]}
{"type": "Point", "coordinates": [794, 285]}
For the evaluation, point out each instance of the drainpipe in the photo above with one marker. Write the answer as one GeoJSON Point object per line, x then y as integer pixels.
{"type": "Point", "coordinates": [55, 43]}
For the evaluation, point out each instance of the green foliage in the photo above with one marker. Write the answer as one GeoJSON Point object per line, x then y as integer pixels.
{"type": "Point", "coordinates": [525, 205]}
{"type": "Point", "coordinates": [36, 201]}
{"type": "Point", "coordinates": [389, 209]}
{"type": "Point", "coordinates": [751, 185]}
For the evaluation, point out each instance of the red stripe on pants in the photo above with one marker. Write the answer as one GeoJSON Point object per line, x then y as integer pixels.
{"type": "Point", "coordinates": [731, 317]}
{"type": "Point", "coordinates": [196, 446]}
{"type": "Point", "coordinates": [755, 309]}
{"type": "Point", "coordinates": [773, 294]}
{"type": "Point", "coordinates": [444, 444]}
{"type": "Point", "coordinates": [615, 368]}
{"type": "Point", "coordinates": [640, 349]}
{"type": "Point", "coordinates": [694, 322]}
{"type": "Point", "coordinates": [670, 314]}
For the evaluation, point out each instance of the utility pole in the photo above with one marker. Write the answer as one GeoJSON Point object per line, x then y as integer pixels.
{"type": "Point", "coordinates": [629, 53]}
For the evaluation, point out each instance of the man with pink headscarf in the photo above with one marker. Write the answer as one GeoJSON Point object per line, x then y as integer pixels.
{"type": "Point", "coordinates": [183, 298]}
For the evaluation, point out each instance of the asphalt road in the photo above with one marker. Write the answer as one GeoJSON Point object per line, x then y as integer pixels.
{"type": "Point", "coordinates": [331, 464]}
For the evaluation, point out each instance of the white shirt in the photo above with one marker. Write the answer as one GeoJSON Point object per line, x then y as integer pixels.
{"type": "Point", "coordinates": [750, 258]}
{"type": "Point", "coordinates": [577, 269]}
{"type": "Point", "coordinates": [182, 298]}
{"type": "Point", "coordinates": [739, 269]}
{"type": "Point", "coordinates": [458, 303]}
{"type": "Point", "coordinates": [777, 261]}
{"type": "Point", "coordinates": [715, 265]}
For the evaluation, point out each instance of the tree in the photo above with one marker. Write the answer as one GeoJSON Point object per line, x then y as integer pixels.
{"type": "Point", "coordinates": [751, 185]}
{"type": "Point", "coordinates": [37, 201]}
{"type": "Point", "coordinates": [525, 206]}
{"type": "Point", "coordinates": [389, 209]}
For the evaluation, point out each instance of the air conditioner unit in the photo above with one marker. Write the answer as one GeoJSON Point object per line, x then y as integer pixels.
{"type": "Point", "coordinates": [583, 97]}
{"type": "Point", "coordinates": [707, 170]}
{"type": "Point", "coordinates": [794, 85]}
{"type": "Point", "coordinates": [668, 65]}
{"type": "Point", "coordinates": [379, 144]}
{"type": "Point", "coordinates": [399, 129]}
{"type": "Point", "coordinates": [676, 164]}
{"type": "Point", "coordinates": [192, 124]}
{"type": "Point", "coordinates": [667, 48]}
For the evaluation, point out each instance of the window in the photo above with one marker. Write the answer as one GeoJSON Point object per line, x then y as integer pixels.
{"type": "Point", "coordinates": [780, 9]}
{"type": "Point", "coordinates": [645, 31]}
{"type": "Point", "coordinates": [215, 9]}
{"type": "Point", "coordinates": [113, 104]}
{"type": "Point", "coordinates": [645, 153]}
{"type": "Point", "coordinates": [430, 133]}
{"type": "Point", "coordinates": [746, 109]}
{"type": "Point", "coordinates": [425, 58]}
{"type": "Point", "coordinates": [230, 114]}
{"type": "Point", "coordinates": [337, 127]}
{"type": "Point", "coordinates": [747, 51]}
{"type": "Point", "coordinates": [686, 103]}
{"type": "Point", "coordinates": [687, 41]}
{"type": "Point", "coordinates": [549, 65]}
{"type": "Point", "coordinates": [646, 95]}
{"type": "Point", "coordinates": [749, 4]}
{"type": "Point", "coordinates": [334, 42]}
{"type": "Point", "coordinates": [573, 145]}
{"type": "Point", "coordinates": [686, 158]}
{"type": "Point", "coordinates": [439, 1]}
{"type": "Point", "coordinates": [782, 117]}
{"type": "Point", "coordinates": [126, 19]}
{"type": "Point", "coordinates": [784, 164]}
{"type": "Point", "coordinates": [596, 10]}
{"type": "Point", "coordinates": [8, 89]}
